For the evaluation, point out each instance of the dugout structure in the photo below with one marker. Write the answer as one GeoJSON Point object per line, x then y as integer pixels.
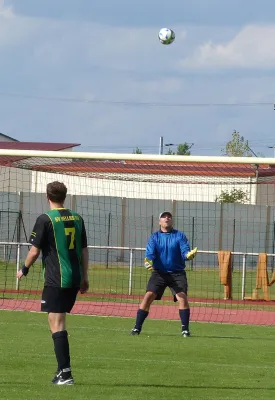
{"type": "Point", "coordinates": [222, 204]}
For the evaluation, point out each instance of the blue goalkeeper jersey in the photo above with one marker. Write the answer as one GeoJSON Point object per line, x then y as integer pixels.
{"type": "Point", "coordinates": [168, 250]}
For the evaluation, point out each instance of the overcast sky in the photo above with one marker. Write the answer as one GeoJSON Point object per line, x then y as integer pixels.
{"type": "Point", "coordinates": [94, 73]}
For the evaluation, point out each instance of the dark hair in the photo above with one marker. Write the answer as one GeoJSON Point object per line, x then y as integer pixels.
{"type": "Point", "coordinates": [56, 192]}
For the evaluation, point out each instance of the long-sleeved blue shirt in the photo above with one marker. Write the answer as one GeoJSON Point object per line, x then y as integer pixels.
{"type": "Point", "coordinates": [168, 250]}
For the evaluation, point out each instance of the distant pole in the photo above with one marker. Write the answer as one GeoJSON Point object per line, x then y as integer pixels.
{"type": "Point", "coordinates": [192, 238]}
{"type": "Point", "coordinates": [161, 145]}
{"type": "Point", "coordinates": [272, 147]}
{"type": "Point", "coordinates": [108, 239]}
{"type": "Point", "coordinates": [152, 223]}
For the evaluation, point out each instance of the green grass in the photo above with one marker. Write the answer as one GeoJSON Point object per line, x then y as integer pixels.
{"type": "Point", "coordinates": [204, 283]}
{"type": "Point", "coordinates": [217, 362]}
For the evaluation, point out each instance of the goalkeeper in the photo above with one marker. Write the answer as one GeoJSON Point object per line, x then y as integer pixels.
{"type": "Point", "coordinates": [166, 253]}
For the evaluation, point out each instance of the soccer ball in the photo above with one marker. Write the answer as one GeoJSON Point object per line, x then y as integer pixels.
{"type": "Point", "coordinates": [166, 36]}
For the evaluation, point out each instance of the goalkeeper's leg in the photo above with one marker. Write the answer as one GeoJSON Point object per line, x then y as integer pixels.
{"type": "Point", "coordinates": [184, 312]}
{"type": "Point", "coordinates": [154, 291]}
{"type": "Point", "coordinates": [179, 286]}
{"type": "Point", "coordinates": [143, 312]}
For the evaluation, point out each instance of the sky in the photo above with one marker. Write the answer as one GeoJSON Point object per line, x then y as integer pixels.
{"type": "Point", "coordinates": [94, 73]}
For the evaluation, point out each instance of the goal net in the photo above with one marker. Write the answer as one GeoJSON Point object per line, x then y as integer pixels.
{"type": "Point", "coordinates": [224, 205]}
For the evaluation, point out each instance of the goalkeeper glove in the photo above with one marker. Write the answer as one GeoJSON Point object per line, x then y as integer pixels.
{"type": "Point", "coordinates": [148, 264]}
{"type": "Point", "coordinates": [191, 254]}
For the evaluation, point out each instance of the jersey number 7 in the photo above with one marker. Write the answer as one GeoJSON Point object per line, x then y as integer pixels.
{"type": "Point", "coordinates": [70, 232]}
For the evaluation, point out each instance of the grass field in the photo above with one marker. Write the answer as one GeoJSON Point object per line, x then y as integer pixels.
{"type": "Point", "coordinates": [218, 362]}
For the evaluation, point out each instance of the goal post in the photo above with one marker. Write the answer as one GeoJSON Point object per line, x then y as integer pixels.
{"type": "Point", "coordinates": [225, 206]}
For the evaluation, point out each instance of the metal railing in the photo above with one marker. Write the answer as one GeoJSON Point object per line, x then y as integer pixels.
{"type": "Point", "coordinates": [131, 260]}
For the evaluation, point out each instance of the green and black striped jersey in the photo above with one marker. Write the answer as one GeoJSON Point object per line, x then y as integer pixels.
{"type": "Point", "coordinates": [60, 234]}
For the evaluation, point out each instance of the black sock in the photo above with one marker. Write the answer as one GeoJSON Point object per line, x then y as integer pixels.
{"type": "Point", "coordinates": [185, 316]}
{"type": "Point", "coordinates": [62, 350]}
{"type": "Point", "coordinates": [141, 316]}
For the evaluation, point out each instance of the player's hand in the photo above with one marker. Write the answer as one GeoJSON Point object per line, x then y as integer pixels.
{"type": "Point", "coordinates": [148, 264]}
{"type": "Point", "coordinates": [84, 286]}
{"type": "Point", "coordinates": [192, 254]}
{"type": "Point", "coordinates": [19, 274]}
{"type": "Point", "coordinates": [22, 272]}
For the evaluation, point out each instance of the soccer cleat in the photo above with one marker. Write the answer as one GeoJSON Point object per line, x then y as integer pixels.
{"type": "Point", "coordinates": [185, 333]}
{"type": "Point", "coordinates": [134, 332]}
{"type": "Point", "coordinates": [63, 378]}
{"type": "Point", "coordinates": [56, 377]}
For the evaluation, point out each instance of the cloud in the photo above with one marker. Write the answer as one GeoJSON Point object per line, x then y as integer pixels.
{"type": "Point", "coordinates": [153, 12]}
{"type": "Point", "coordinates": [68, 58]}
{"type": "Point", "coordinates": [5, 12]}
{"type": "Point", "coordinates": [253, 47]}
{"type": "Point", "coordinates": [15, 29]}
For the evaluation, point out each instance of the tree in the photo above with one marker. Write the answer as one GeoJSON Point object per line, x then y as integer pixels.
{"type": "Point", "coordinates": [182, 150]}
{"type": "Point", "coordinates": [137, 151]}
{"type": "Point", "coordinates": [237, 146]}
{"type": "Point", "coordinates": [233, 196]}
{"type": "Point", "coordinates": [170, 152]}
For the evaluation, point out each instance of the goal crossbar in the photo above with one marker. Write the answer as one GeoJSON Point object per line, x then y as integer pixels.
{"type": "Point", "coordinates": [137, 157]}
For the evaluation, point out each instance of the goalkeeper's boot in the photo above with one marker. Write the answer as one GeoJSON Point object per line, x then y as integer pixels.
{"type": "Point", "coordinates": [185, 333]}
{"type": "Point", "coordinates": [63, 377]}
{"type": "Point", "coordinates": [135, 331]}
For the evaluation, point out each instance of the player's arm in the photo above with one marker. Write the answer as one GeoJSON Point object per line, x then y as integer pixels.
{"type": "Point", "coordinates": [84, 286]}
{"type": "Point", "coordinates": [150, 254]}
{"type": "Point", "coordinates": [32, 256]}
{"type": "Point", "coordinates": [37, 240]}
{"type": "Point", "coordinates": [186, 253]}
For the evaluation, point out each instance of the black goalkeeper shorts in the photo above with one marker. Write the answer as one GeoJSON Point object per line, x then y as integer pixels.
{"type": "Point", "coordinates": [58, 300]}
{"type": "Point", "coordinates": [159, 281]}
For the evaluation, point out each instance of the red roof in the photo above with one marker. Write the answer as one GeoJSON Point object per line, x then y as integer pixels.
{"type": "Point", "coordinates": [9, 160]}
{"type": "Point", "coordinates": [43, 146]}
{"type": "Point", "coordinates": [159, 168]}
{"type": "Point", "coordinates": [95, 167]}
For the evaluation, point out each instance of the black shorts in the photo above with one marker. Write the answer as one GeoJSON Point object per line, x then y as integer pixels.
{"type": "Point", "coordinates": [159, 281]}
{"type": "Point", "coordinates": [58, 300]}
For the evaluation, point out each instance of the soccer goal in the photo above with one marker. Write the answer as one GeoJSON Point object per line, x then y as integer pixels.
{"type": "Point", "coordinates": [224, 205]}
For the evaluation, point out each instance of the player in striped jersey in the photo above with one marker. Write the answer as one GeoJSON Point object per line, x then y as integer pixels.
{"type": "Point", "coordinates": [61, 237]}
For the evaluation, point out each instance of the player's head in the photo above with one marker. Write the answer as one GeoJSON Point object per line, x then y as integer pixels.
{"type": "Point", "coordinates": [165, 220]}
{"type": "Point", "coordinates": [56, 192]}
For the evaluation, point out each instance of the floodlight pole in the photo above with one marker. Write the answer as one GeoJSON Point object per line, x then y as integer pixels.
{"type": "Point", "coordinates": [272, 147]}
{"type": "Point", "coordinates": [161, 145]}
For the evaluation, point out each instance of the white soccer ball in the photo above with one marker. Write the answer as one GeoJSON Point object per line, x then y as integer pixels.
{"type": "Point", "coordinates": [166, 36]}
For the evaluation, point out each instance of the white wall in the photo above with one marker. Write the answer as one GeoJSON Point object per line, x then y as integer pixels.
{"type": "Point", "coordinates": [184, 188]}
{"type": "Point", "coordinates": [165, 187]}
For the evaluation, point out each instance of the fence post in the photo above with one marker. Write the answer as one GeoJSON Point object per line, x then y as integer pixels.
{"type": "Point", "coordinates": [17, 265]}
{"type": "Point", "coordinates": [243, 276]}
{"type": "Point", "coordinates": [174, 208]}
{"type": "Point", "coordinates": [108, 240]}
{"type": "Point", "coordinates": [221, 227]}
{"type": "Point", "coordinates": [123, 227]}
{"type": "Point", "coordinates": [273, 247]}
{"type": "Point", "coordinates": [131, 272]}
{"type": "Point", "coordinates": [233, 241]}
{"type": "Point", "coordinates": [73, 202]}
{"type": "Point", "coordinates": [267, 229]}
{"type": "Point", "coordinates": [192, 238]}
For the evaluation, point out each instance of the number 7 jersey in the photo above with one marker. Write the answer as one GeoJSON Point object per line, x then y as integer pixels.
{"type": "Point", "coordinates": [60, 234]}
